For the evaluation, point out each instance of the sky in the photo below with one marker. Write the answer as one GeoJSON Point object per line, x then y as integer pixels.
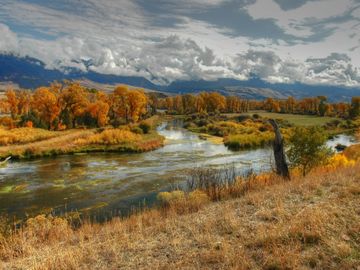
{"type": "Point", "coordinates": [279, 41]}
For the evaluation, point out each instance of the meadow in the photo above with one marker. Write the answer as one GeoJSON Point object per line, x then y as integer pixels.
{"type": "Point", "coordinates": [297, 119]}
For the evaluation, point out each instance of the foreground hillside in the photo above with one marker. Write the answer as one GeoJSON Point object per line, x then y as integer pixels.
{"type": "Point", "coordinates": [308, 223]}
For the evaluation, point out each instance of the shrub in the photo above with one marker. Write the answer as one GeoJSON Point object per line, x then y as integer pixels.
{"type": "Point", "coordinates": [307, 148]}
{"type": "Point", "coordinates": [111, 137]}
{"type": "Point", "coordinates": [198, 197]}
{"type": "Point", "coordinates": [145, 127]}
{"type": "Point", "coordinates": [137, 130]}
{"type": "Point", "coordinates": [168, 198]}
{"type": "Point", "coordinates": [246, 141]}
{"type": "Point", "coordinates": [340, 160]}
{"type": "Point", "coordinates": [243, 118]}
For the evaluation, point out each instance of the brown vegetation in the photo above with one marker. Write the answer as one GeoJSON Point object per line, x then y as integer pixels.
{"type": "Point", "coordinates": [266, 223]}
{"type": "Point", "coordinates": [24, 143]}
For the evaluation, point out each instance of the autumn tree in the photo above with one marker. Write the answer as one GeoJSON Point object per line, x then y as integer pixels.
{"type": "Point", "coordinates": [188, 103]}
{"type": "Point", "coordinates": [137, 104]}
{"type": "Point", "coordinates": [45, 105]}
{"type": "Point", "coordinates": [120, 104]}
{"type": "Point", "coordinates": [354, 107]}
{"type": "Point", "coordinates": [13, 102]}
{"type": "Point", "coordinates": [127, 104]}
{"type": "Point", "coordinates": [74, 102]}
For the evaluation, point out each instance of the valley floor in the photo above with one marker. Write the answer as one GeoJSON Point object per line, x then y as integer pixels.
{"type": "Point", "coordinates": [307, 223]}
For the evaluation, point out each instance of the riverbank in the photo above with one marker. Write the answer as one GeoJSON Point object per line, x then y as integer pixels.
{"type": "Point", "coordinates": [28, 143]}
{"type": "Point", "coordinates": [252, 130]}
{"type": "Point", "coordinates": [305, 223]}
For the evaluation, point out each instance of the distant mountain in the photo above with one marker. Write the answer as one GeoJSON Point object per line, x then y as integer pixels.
{"type": "Point", "coordinates": [31, 73]}
{"type": "Point", "coordinates": [259, 89]}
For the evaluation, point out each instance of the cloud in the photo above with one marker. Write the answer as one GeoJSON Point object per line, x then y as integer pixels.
{"type": "Point", "coordinates": [173, 41]}
{"type": "Point", "coordinates": [334, 69]}
{"type": "Point", "coordinates": [299, 21]}
{"type": "Point", "coordinates": [8, 41]}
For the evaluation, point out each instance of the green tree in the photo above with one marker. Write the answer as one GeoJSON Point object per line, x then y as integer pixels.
{"type": "Point", "coordinates": [323, 107]}
{"type": "Point", "coordinates": [307, 148]}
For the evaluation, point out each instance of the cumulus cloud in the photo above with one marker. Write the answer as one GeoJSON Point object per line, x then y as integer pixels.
{"type": "Point", "coordinates": [123, 39]}
{"type": "Point", "coordinates": [299, 21]}
{"type": "Point", "coordinates": [8, 41]}
{"type": "Point", "coordinates": [334, 69]}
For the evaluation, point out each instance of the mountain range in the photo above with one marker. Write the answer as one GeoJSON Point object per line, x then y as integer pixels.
{"type": "Point", "coordinates": [27, 72]}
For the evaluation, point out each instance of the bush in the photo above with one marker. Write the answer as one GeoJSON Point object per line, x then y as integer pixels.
{"type": "Point", "coordinates": [243, 118]}
{"type": "Point", "coordinates": [111, 137]}
{"type": "Point", "coordinates": [168, 198]}
{"type": "Point", "coordinates": [308, 149]}
{"type": "Point", "coordinates": [145, 127]}
{"type": "Point", "coordinates": [137, 130]}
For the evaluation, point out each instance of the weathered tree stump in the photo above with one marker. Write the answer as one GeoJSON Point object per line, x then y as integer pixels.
{"type": "Point", "coordinates": [282, 168]}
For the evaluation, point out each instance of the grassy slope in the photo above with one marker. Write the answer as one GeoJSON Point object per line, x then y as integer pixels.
{"type": "Point", "coordinates": [295, 119]}
{"type": "Point", "coordinates": [311, 223]}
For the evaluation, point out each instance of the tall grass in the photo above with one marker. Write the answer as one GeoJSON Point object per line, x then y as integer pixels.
{"type": "Point", "coordinates": [82, 141]}
{"type": "Point", "coordinates": [25, 135]}
{"type": "Point", "coordinates": [306, 223]}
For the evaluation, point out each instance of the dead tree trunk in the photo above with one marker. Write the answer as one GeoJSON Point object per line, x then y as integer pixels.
{"type": "Point", "coordinates": [279, 154]}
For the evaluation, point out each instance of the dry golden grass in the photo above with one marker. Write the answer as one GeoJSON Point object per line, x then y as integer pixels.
{"type": "Point", "coordinates": [87, 140]}
{"type": "Point", "coordinates": [25, 135]}
{"type": "Point", "coordinates": [306, 223]}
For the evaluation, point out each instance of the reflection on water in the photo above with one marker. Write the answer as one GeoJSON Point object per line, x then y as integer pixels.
{"type": "Point", "coordinates": [117, 181]}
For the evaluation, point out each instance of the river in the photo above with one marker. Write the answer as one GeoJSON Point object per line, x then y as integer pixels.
{"type": "Point", "coordinates": [110, 183]}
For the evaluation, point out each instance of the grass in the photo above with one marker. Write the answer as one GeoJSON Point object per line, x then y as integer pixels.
{"type": "Point", "coordinates": [26, 135]}
{"type": "Point", "coordinates": [252, 130]}
{"type": "Point", "coordinates": [40, 143]}
{"type": "Point", "coordinates": [236, 135]}
{"type": "Point", "coordinates": [296, 119]}
{"type": "Point", "coordinates": [306, 223]}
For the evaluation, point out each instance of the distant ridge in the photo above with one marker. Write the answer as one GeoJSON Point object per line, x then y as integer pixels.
{"type": "Point", "coordinates": [27, 72]}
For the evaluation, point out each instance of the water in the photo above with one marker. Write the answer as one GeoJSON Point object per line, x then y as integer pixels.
{"type": "Point", "coordinates": [113, 183]}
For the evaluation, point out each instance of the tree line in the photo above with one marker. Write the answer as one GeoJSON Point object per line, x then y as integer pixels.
{"type": "Point", "coordinates": [70, 105]}
{"type": "Point", "coordinates": [212, 102]}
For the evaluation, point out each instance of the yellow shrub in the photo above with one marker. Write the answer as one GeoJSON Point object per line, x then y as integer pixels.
{"type": "Point", "coordinates": [198, 197]}
{"type": "Point", "coordinates": [112, 137]}
{"type": "Point", "coordinates": [340, 160]}
{"type": "Point", "coordinates": [171, 197]}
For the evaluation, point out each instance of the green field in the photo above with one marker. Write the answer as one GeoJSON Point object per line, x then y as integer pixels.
{"type": "Point", "coordinates": [296, 119]}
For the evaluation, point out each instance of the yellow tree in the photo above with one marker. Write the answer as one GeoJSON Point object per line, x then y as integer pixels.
{"type": "Point", "coordinates": [99, 110]}
{"type": "Point", "coordinates": [24, 102]}
{"type": "Point", "coordinates": [137, 101]}
{"type": "Point", "coordinates": [45, 105]}
{"type": "Point", "coordinates": [74, 102]}
{"type": "Point", "coordinates": [120, 103]}
{"type": "Point", "coordinates": [200, 104]}
{"type": "Point", "coordinates": [12, 102]}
